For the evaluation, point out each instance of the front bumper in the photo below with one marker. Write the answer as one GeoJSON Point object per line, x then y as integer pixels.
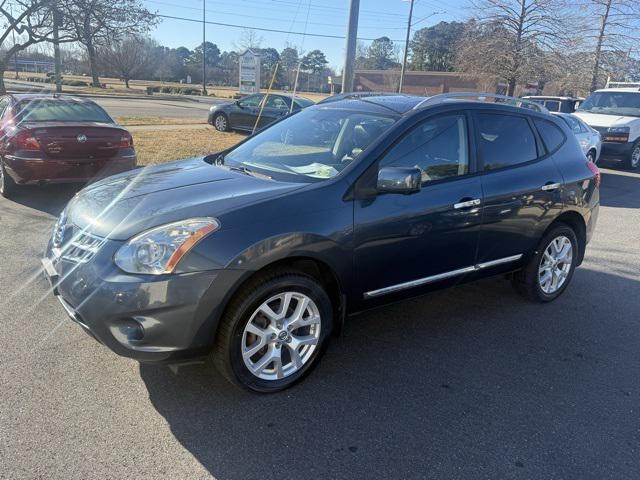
{"type": "Point", "coordinates": [145, 317]}
{"type": "Point", "coordinates": [615, 151]}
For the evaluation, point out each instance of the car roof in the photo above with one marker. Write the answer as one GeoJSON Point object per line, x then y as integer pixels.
{"type": "Point", "coordinates": [551, 97]}
{"type": "Point", "coordinates": [42, 96]}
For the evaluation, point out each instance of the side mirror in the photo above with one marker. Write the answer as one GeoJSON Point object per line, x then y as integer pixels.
{"type": "Point", "coordinates": [404, 180]}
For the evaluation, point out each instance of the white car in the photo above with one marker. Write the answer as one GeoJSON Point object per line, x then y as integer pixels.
{"type": "Point", "coordinates": [615, 113]}
{"type": "Point", "coordinates": [588, 138]}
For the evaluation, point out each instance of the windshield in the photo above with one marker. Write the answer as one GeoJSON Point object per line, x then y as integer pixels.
{"type": "Point", "coordinates": [45, 110]}
{"type": "Point", "coordinates": [315, 144]}
{"type": "Point", "coordinates": [613, 103]}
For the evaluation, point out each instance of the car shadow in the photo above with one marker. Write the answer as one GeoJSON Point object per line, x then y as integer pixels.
{"type": "Point", "coordinates": [468, 380]}
{"type": "Point", "coordinates": [620, 189]}
{"type": "Point", "coordinates": [49, 199]}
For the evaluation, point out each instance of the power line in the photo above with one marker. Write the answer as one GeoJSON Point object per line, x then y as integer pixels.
{"type": "Point", "coordinates": [262, 29]}
{"type": "Point", "coordinates": [261, 17]}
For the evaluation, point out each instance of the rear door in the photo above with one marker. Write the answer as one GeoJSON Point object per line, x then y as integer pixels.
{"type": "Point", "coordinates": [521, 185]}
{"type": "Point", "coordinates": [406, 243]}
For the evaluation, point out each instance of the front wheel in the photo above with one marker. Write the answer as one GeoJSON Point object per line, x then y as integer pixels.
{"type": "Point", "coordinates": [591, 156]}
{"type": "Point", "coordinates": [550, 269]}
{"type": "Point", "coordinates": [633, 162]}
{"type": "Point", "coordinates": [221, 123]}
{"type": "Point", "coordinates": [273, 332]}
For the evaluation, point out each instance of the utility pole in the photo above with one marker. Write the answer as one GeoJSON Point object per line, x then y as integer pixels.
{"type": "Point", "coordinates": [204, 47]}
{"type": "Point", "coordinates": [56, 49]}
{"type": "Point", "coordinates": [406, 49]}
{"type": "Point", "coordinates": [350, 54]}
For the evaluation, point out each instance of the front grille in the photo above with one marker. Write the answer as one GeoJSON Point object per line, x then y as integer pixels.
{"type": "Point", "coordinates": [81, 247]}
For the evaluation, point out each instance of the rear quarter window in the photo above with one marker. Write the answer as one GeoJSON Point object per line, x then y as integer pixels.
{"type": "Point", "coordinates": [552, 135]}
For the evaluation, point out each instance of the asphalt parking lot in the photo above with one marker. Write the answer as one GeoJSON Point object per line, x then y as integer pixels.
{"type": "Point", "coordinates": [471, 382]}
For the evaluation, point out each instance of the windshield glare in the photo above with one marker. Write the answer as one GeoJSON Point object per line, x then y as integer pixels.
{"type": "Point", "coordinates": [613, 103]}
{"type": "Point", "coordinates": [315, 144]}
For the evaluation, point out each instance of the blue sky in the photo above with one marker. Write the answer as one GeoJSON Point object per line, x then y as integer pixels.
{"type": "Point", "coordinates": [328, 17]}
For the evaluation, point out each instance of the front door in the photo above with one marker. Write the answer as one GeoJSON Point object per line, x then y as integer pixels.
{"type": "Point", "coordinates": [406, 243]}
{"type": "Point", "coordinates": [275, 107]}
{"type": "Point", "coordinates": [245, 114]}
{"type": "Point", "coordinates": [521, 183]}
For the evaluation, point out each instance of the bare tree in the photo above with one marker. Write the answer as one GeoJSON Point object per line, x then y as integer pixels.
{"type": "Point", "coordinates": [615, 30]}
{"type": "Point", "coordinates": [249, 39]}
{"type": "Point", "coordinates": [26, 23]}
{"type": "Point", "coordinates": [125, 57]}
{"type": "Point", "coordinates": [507, 38]}
{"type": "Point", "coordinates": [100, 22]}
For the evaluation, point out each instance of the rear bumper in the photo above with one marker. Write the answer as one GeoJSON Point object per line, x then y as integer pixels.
{"type": "Point", "coordinates": [25, 171]}
{"type": "Point", "coordinates": [613, 151]}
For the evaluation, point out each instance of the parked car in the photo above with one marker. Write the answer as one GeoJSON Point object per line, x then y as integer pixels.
{"type": "Point", "coordinates": [243, 114]}
{"type": "Point", "coordinates": [557, 104]}
{"type": "Point", "coordinates": [588, 138]}
{"type": "Point", "coordinates": [257, 254]}
{"type": "Point", "coordinates": [615, 113]}
{"type": "Point", "coordinates": [58, 139]}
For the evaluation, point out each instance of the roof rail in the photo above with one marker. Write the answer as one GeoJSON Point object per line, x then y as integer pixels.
{"type": "Point", "coordinates": [354, 95]}
{"type": "Point", "coordinates": [611, 84]}
{"type": "Point", "coordinates": [482, 97]}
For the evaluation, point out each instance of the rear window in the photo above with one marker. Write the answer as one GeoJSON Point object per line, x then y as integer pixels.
{"type": "Point", "coordinates": [56, 110]}
{"type": "Point", "coordinates": [551, 135]}
{"type": "Point", "coordinates": [505, 140]}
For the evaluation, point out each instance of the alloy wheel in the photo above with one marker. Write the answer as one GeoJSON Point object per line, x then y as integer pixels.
{"type": "Point", "coordinates": [555, 265]}
{"type": "Point", "coordinates": [221, 123]}
{"type": "Point", "coordinates": [281, 336]}
{"type": "Point", "coordinates": [591, 157]}
{"type": "Point", "coordinates": [635, 157]}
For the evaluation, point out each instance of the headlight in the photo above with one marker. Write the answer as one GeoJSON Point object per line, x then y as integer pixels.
{"type": "Point", "coordinates": [618, 130]}
{"type": "Point", "coordinates": [158, 251]}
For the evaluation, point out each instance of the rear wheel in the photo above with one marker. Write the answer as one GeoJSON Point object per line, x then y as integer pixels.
{"type": "Point", "coordinates": [550, 269]}
{"type": "Point", "coordinates": [7, 185]}
{"type": "Point", "coordinates": [273, 332]}
{"type": "Point", "coordinates": [633, 162]}
{"type": "Point", "coordinates": [221, 122]}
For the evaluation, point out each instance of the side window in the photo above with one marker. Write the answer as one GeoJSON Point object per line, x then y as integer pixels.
{"type": "Point", "coordinates": [551, 135]}
{"type": "Point", "coordinates": [574, 124]}
{"type": "Point", "coordinates": [251, 101]}
{"type": "Point", "coordinates": [552, 105]}
{"type": "Point", "coordinates": [438, 146]}
{"type": "Point", "coordinates": [276, 102]}
{"type": "Point", "coordinates": [505, 140]}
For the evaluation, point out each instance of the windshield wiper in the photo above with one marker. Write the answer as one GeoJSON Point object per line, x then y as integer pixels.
{"type": "Point", "coordinates": [248, 171]}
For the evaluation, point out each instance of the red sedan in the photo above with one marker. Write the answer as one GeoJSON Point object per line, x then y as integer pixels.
{"type": "Point", "coordinates": [58, 139]}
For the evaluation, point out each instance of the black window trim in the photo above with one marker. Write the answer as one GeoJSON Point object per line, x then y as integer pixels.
{"type": "Point", "coordinates": [540, 148]}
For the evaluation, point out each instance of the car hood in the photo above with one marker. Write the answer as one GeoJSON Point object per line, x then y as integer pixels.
{"type": "Point", "coordinates": [600, 120]}
{"type": "Point", "coordinates": [124, 205]}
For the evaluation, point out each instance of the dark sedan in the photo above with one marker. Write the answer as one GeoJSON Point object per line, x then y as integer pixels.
{"type": "Point", "coordinates": [257, 254]}
{"type": "Point", "coordinates": [243, 114]}
{"type": "Point", "coordinates": [58, 139]}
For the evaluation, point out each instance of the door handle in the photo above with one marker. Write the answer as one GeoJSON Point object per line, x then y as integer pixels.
{"type": "Point", "coordinates": [550, 187]}
{"type": "Point", "coordinates": [467, 203]}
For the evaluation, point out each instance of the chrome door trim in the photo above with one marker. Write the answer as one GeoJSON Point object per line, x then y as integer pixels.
{"type": "Point", "coordinates": [440, 276]}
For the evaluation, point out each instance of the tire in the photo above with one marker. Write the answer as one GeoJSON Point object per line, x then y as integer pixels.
{"type": "Point", "coordinates": [245, 328]}
{"type": "Point", "coordinates": [633, 162]}
{"type": "Point", "coordinates": [221, 122]}
{"type": "Point", "coordinates": [529, 280]}
{"type": "Point", "coordinates": [7, 185]}
{"type": "Point", "coordinates": [591, 156]}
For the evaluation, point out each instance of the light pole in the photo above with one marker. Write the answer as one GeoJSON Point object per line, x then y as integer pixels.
{"type": "Point", "coordinates": [204, 47]}
{"type": "Point", "coordinates": [350, 55]}
{"type": "Point", "coordinates": [406, 49]}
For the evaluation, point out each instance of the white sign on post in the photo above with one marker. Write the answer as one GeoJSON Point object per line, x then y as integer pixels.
{"type": "Point", "coordinates": [249, 72]}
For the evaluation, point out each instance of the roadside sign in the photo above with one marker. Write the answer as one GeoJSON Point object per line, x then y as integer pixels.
{"type": "Point", "coordinates": [249, 72]}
